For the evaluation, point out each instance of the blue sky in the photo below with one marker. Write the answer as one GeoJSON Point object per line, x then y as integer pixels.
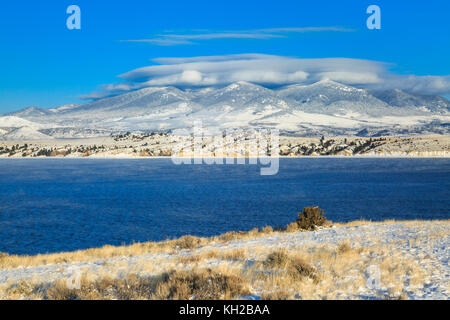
{"type": "Point", "coordinates": [44, 64]}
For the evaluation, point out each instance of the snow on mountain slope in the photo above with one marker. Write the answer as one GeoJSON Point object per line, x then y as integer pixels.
{"type": "Point", "coordinates": [140, 101]}
{"type": "Point", "coordinates": [24, 133]}
{"type": "Point", "coordinates": [36, 114]}
{"type": "Point", "coordinates": [107, 113]}
{"type": "Point", "coordinates": [398, 98]}
{"type": "Point", "coordinates": [325, 107]}
{"type": "Point", "coordinates": [16, 122]}
{"type": "Point", "coordinates": [64, 108]}
{"type": "Point", "coordinates": [240, 95]}
{"type": "Point", "coordinates": [333, 98]}
{"type": "Point", "coordinates": [31, 112]}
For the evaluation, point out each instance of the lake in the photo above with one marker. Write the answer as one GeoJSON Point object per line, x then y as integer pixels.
{"type": "Point", "coordinates": [51, 205]}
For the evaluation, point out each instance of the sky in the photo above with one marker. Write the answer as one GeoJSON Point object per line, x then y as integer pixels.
{"type": "Point", "coordinates": [126, 45]}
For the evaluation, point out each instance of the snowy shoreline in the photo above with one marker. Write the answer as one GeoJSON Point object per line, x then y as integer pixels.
{"type": "Point", "coordinates": [418, 248]}
{"type": "Point", "coordinates": [281, 157]}
{"type": "Point", "coordinates": [165, 146]}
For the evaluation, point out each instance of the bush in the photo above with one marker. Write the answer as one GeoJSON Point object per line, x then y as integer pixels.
{"type": "Point", "coordinates": [277, 295]}
{"type": "Point", "coordinates": [295, 267]}
{"type": "Point", "coordinates": [291, 227]}
{"type": "Point", "coordinates": [267, 229]}
{"type": "Point", "coordinates": [277, 259]}
{"type": "Point", "coordinates": [195, 284]}
{"type": "Point", "coordinates": [310, 218]}
{"type": "Point", "coordinates": [231, 235]}
{"type": "Point", "coordinates": [343, 247]}
{"type": "Point", "coordinates": [3, 257]}
{"type": "Point", "coordinates": [22, 289]}
{"type": "Point", "coordinates": [188, 242]}
{"type": "Point", "coordinates": [200, 285]}
{"type": "Point", "coordinates": [130, 288]}
{"type": "Point", "coordinates": [300, 269]}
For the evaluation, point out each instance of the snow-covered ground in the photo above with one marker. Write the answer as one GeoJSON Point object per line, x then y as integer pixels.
{"type": "Point", "coordinates": [383, 245]}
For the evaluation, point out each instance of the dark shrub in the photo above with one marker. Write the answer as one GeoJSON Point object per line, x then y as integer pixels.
{"type": "Point", "coordinates": [131, 287]}
{"type": "Point", "coordinates": [296, 267]}
{"type": "Point", "coordinates": [277, 259]}
{"type": "Point", "coordinates": [200, 285]}
{"type": "Point", "coordinates": [343, 247]}
{"type": "Point", "coordinates": [310, 218]}
{"type": "Point", "coordinates": [300, 269]}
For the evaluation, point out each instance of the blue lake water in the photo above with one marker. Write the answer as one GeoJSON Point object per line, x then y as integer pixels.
{"type": "Point", "coordinates": [50, 205]}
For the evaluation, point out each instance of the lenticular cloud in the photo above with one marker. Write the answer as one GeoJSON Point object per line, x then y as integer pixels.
{"type": "Point", "coordinates": [270, 70]}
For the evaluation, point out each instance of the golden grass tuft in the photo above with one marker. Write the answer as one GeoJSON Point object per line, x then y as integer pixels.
{"type": "Point", "coordinates": [277, 259]}
{"type": "Point", "coordinates": [295, 266]}
{"type": "Point", "coordinates": [201, 285]}
{"type": "Point", "coordinates": [344, 247]}
{"type": "Point", "coordinates": [188, 242]}
{"type": "Point", "coordinates": [174, 285]}
{"type": "Point", "coordinates": [266, 229]}
{"type": "Point", "coordinates": [130, 288]}
{"type": "Point", "coordinates": [277, 295]}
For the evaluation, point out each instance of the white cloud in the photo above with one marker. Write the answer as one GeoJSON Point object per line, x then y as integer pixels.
{"type": "Point", "coordinates": [171, 39]}
{"type": "Point", "coordinates": [272, 71]}
{"type": "Point", "coordinates": [191, 76]}
{"type": "Point", "coordinates": [350, 77]}
{"type": "Point", "coordinates": [439, 85]}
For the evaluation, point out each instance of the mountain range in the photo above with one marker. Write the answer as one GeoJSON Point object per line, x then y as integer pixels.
{"type": "Point", "coordinates": [322, 108]}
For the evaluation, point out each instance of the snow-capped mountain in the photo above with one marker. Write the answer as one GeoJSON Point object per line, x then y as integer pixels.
{"type": "Point", "coordinates": [25, 133]}
{"type": "Point", "coordinates": [325, 107]}
{"type": "Point", "coordinates": [329, 97]}
{"type": "Point", "coordinates": [17, 122]}
{"type": "Point", "coordinates": [398, 98]}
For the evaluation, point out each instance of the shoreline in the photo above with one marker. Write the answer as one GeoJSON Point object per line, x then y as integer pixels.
{"type": "Point", "coordinates": [224, 237]}
{"type": "Point", "coordinates": [368, 156]}
{"type": "Point", "coordinates": [138, 146]}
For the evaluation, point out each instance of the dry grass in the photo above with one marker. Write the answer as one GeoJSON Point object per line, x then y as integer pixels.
{"type": "Point", "coordinates": [130, 288]}
{"type": "Point", "coordinates": [223, 272]}
{"type": "Point", "coordinates": [168, 246]}
{"type": "Point", "coordinates": [364, 222]}
{"type": "Point", "coordinates": [277, 295]}
{"type": "Point", "coordinates": [188, 242]}
{"type": "Point", "coordinates": [184, 243]}
{"type": "Point", "coordinates": [344, 247]}
{"type": "Point", "coordinates": [324, 272]}
{"type": "Point", "coordinates": [201, 285]}
{"type": "Point", "coordinates": [314, 272]}
{"type": "Point", "coordinates": [175, 285]}
{"type": "Point", "coordinates": [227, 254]}
{"type": "Point", "coordinates": [294, 266]}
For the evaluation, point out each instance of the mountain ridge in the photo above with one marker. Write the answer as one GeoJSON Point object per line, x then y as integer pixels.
{"type": "Point", "coordinates": [324, 107]}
